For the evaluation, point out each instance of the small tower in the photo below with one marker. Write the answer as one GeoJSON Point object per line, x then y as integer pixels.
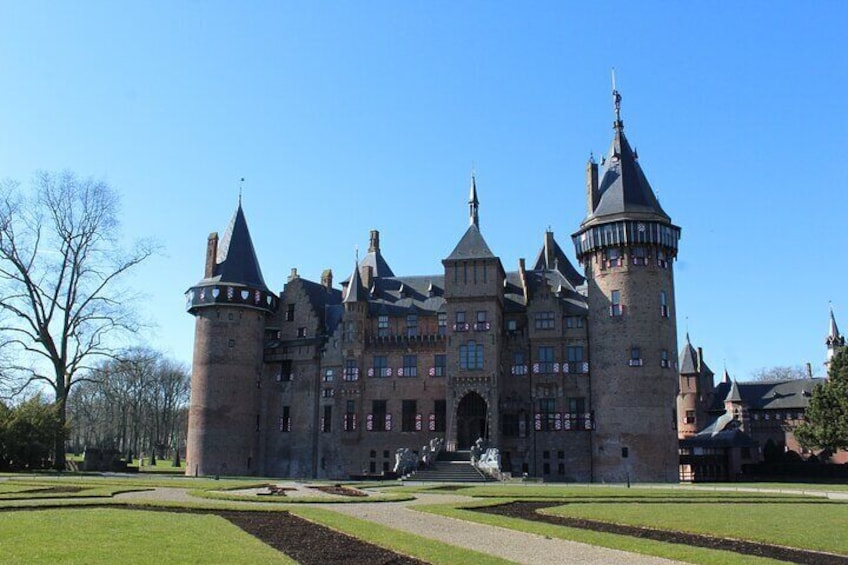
{"type": "Point", "coordinates": [230, 305]}
{"type": "Point", "coordinates": [835, 341]}
{"type": "Point", "coordinates": [474, 294]}
{"type": "Point", "coordinates": [696, 391]}
{"type": "Point", "coordinates": [627, 245]}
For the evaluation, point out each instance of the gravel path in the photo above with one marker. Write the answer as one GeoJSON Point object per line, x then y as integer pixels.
{"type": "Point", "coordinates": [515, 546]}
{"type": "Point", "coordinates": [507, 544]}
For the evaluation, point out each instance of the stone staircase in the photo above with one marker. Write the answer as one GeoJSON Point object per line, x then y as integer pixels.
{"type": "Point", "coordinates": [450, 467]}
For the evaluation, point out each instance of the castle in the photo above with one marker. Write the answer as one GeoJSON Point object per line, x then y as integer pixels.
{"type": "Point", "coordinates": [573, 376]}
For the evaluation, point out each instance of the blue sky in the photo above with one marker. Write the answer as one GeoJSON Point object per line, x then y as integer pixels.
{"type": "Point", "coordinates": [350, 116]}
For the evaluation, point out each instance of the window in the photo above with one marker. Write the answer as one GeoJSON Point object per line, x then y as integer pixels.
{"type": "Point", "coordinates": [350, 416]}
{"type": "Point", "coordinates": [412, 325]}
{"type": "Point", "coordinates": [409, 408]}
{"type": "Point", "coordinates": [544, 360]}
{"type": "Point", "coordinates": [380, 367]}
{"type": "Point", "coordinates": [511, 325]}
{"type": "Point", "coordinates": [615, 303]}
{"type": "Point", "coordinates": [382, 325]}
{"type": "Point", "coordinates": [690, 417]}
{"type": "Point", "coordinates": [663, 304]}
{"type": "Point", "coordinates": [471, 356]}
{"type": "Point", "coordinates": [410, 366]}
{"type": "Point", "coordinates": [290, 312]}
{"type": "Point", "coordinates": [544, 320]}
{"type": "Point", "coordinates": [640, 256]}
{"type": "Point", "coordinates": [635, 357]}
{"type": "Point", "coordinates": [612, 257]}
{"type": "Point", "coordinates": [440, 363]}
{"type": "Point", "coordinates": [328, 392]}
{"type": "Point", "coordinates": [285, 419]}
{"type": "Point", "coordinates": [285, 373]}
{"type": "Point", "coordinates": [329, 375]}
{"type": "Point", "coordinates": [519, 365]}
{"type": "Point", "coordinates": [351, 371]}
{"type": "Point", "coordinates": [547, 414]}
{"type": "Point", "coordinates": [664, 363]}
{"type": "Point", "coordinates": [327, 420]}
{"type": "Point", "coordinates": [442, 321]}
{"type": "Point", "coordinates": [574, 357]}
{"type": "Point", "coordinates": [576, 417]}
{"type": "Point", "coordinates": [379, 417]}
{"type": "Point", "coordinates": [439, 415]}
{"type": "Point", "coordinates": [662, 262]}
{"type": "Point", "coordinates": [301, 332]}
{"type": "Point", "coordinates": [482, 324]}
{"type": "Point", "coordinates": [461, 325]}
{"type": "Point", "coordinates": [573, 322]}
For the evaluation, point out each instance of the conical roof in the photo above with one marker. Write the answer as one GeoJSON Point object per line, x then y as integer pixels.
{"type": "Point", "coordinates": [688, 359]}
{"type": "Point", "coordinates": [355, 291]}
{"type": "Point", "coordinates": [552, 258]}
{"type": "Point", "coordinates": [833, 335]}
{"type": "Point", "coordinates": [471, 246]}
{"type": "Point", "coordinates": [733, 394]}
{"type": "Point", "coordinates": [236, 262]}
{"type": "Point", "coordinates": [624, 188]}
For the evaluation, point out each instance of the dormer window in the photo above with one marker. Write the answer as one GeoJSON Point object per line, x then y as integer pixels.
{"type": "Point", "coordinates": [612, 257]}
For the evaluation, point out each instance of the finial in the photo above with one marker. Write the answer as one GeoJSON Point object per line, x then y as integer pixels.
{"type": "Point", "coordinates": [592, 157]}
{"type": "Point", "coordinates": [473, 203]}
{"type": "Point", "coordinates": [241, 182]}
{"type": "Point", "coordinates": [356, 251]}
{"type": "Point", "coordinates": [616, 99]}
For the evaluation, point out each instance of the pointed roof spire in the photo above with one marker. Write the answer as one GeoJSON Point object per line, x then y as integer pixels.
{"type": "Point", "coordinates": [473, 203]}
{"type": "Point", "coordinates": [236, 261]}
{"type": "Point", "coordinates": [355, 291]}
{"type": "Point", "coordinates": [833, 331]}
{"type": "Point", "coordinates": [733, 395]}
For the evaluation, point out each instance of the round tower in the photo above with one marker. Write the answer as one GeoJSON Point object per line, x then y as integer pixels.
{"type": "Point", "coordinates": [627, 245]}
{"type": "Point", "coordinates": [230, 305]}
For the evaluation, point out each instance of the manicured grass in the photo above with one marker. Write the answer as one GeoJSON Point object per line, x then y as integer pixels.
{"type": "Point", "coordinates": [625, 543]}
{"type": "Point", "coordinates": [779, 523]}
{"type": "Point", "coordinates": [107, 535]}
{"type": "Point", "coordinates": [405, 543]}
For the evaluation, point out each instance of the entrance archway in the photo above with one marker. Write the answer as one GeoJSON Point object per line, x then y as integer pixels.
{"type": "Point", "coordinates": [470, 420]}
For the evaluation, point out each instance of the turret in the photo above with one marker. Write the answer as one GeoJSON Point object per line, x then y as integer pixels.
{"type": "Point", "coordinates": [696, 390]}
{"type": "Point", "coordinates": [230, 305]}
{"type": "Point", "coordinates": [835, 340]}
{"type": "Point", "coordinates": [627, 245]}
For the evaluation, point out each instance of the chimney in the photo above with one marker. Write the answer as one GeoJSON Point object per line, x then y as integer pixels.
{"type": "Point", "coordinates": [327, 279]}
{"type": "Point", "coordinates": [522, 272]}
{"type": "Point", "coordinates": [549, 249]}
{"type": "Point", "coordinates": [700, 358]}
{"type": "Point", "coordinates": [374, 245]}
{"type": "Point", "coordinates": [809, 370]}
{"type": "Point", "coordinates": [211, 255]}
{"type": "Point", "coordinates": [367, 274]}
{"type": "Point", "coordinates": [592, 195]}
{"type": "Point", "coordinates": [293, 274]}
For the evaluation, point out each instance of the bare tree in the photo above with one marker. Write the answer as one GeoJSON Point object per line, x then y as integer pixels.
{"type": "Point", "coordinates": [781, 373]}
{"type": "Point", "coordinates": [61, 301]}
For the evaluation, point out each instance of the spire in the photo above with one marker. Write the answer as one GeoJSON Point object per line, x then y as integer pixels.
{"type": "Point", "coordinates": [733, 394]}
{"type": "Point", "coordinates": [618, 125]}
{"type": "Point", "coordinates": [355, 290]}
{"type": "Point", "coordinates": [833, 334]}
{"type": "Point", "coordinates": [236, 260]}
{"type": "Point", "coordinates": [473, 204]}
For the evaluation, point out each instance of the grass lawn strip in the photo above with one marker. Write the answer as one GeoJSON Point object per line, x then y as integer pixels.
{"type": "Point", "coordinates": [405, 543]}
{"type": "Point", "coordinates": [778, 523]}
{"type": "Point", "coordinates": [104, 535]}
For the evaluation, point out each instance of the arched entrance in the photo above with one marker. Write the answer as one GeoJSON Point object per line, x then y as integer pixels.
{"type": "Point", "coordinates": [470, 420]}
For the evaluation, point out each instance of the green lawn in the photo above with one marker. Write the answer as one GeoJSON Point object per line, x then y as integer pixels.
{"type": "Point", "coordinates": [780, 523]}
{"type": "Point", "coordinates": [107, 535]}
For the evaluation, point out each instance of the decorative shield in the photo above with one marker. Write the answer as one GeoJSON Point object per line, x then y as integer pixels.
{"type": "Point", "coordinates": [216, 292]}
{"type": "Point", "coordinates": [245, 294]}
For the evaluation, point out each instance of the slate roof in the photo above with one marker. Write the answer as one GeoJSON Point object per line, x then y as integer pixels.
{"type": "Point", "coordinates": [720, 434]}
{"type": "Point", "coordinates": [471, 246]}
{"type": "Point", "coordinates": [623, 188]}
{"type": "Point", "coordinates": [375, 260]}
{"type": "Point", "coordinates": [236, 262]}
{"type": "Point", "coordinates": [354, 291]}
{"type": "Point", "coordinates": [553, 258]}
{"type": "Point", "coordinates": [781, 395]}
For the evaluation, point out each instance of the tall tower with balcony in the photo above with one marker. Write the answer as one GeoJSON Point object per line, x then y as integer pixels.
{"type": "Point", "coordinates": [627, 246]}
{"type": "Point", "coordinates": [474, 295]}
{"type": "Point", "coordinates": [230, 304]}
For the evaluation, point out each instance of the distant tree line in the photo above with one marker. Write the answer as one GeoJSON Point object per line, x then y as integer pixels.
{"type": "Point", "coordinates": [136, 404]}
